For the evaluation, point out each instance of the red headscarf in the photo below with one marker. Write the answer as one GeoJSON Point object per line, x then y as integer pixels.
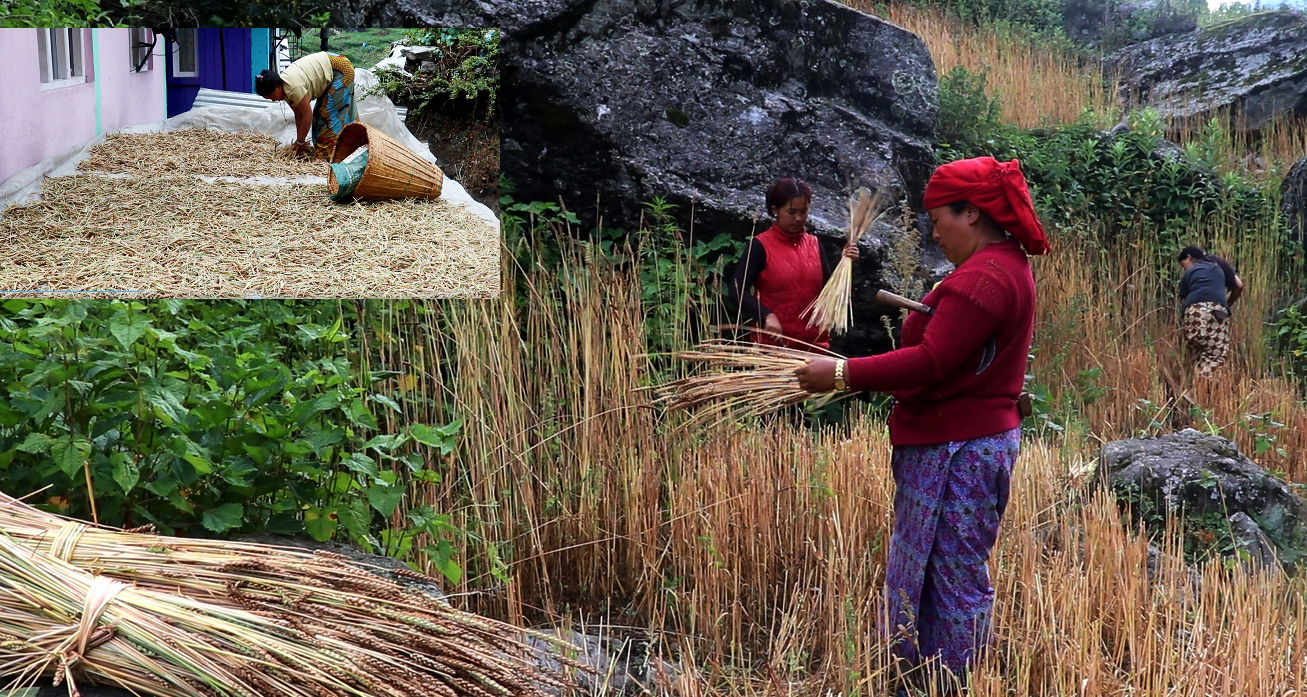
{"type": "Point", "coordinates": [996, 188]}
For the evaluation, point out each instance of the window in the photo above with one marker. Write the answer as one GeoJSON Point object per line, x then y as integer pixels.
{"type": "Point", "coordinates": [141, 46]}
{"type": "Point", "coordinates": [61, 57]}
{"type": "Point", "coordinates": [183, 54]}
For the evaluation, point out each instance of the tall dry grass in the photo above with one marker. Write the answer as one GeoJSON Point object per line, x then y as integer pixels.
{"type": "Point", "coordinates": [1265, 154]}
{"type": "Point", "coordinates": [1038, 85]}
{"type": "Point", "coordinates": [1108, 343]}
{"type": "Point", "coordinates": [753, 554]}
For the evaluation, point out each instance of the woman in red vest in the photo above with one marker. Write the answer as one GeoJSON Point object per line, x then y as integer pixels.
{"type": "Point", "coordinates": [955, 425]}
{"type": "Point", "coordinates": [785, 267]}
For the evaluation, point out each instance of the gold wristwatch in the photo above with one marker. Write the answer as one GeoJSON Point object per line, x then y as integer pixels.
{"type": "Point", "coordinates": [840, 384]}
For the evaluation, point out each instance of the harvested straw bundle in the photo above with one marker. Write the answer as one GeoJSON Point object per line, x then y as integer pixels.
{"type": "Point", "coordinates": [745, 379]}
{"type": "Point", "coordinates": [833, 308]}
{"type": "Point", "coordinates": [204, 617]}
{"type": "Point", "coordinates": [199, 152]}
{"type": "Point", "coordinates": [182, 237]}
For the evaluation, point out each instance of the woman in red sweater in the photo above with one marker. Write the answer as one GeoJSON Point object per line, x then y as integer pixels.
{"type": "Point", "coordinates": [785, 267]}
{"type": "Point", "coordinates": [955, 427]}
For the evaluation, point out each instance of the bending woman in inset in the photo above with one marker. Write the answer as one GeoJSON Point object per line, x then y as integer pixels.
{"type": "Point", "coordinates": [326, 77]}
{"type": "Point", "coordinates": [955, 425]}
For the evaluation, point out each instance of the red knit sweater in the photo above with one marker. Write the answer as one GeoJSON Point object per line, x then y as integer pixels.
{"type": "Point", "coordinates": [938, 395]}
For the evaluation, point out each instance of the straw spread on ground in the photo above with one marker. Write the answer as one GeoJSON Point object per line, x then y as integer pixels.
{"type": "Point", "coordinates": [832, 310]}
{"type": "Point", "coordinates": [173, 234]}
{"type": "Point", "coordinates": [199, 152]}
{"type": "Point", "coordinates": [178, 236]}
{"type": "Point", "coordinates": [742, 379]}
{"type": "Point", "coordinates": [170, 616]}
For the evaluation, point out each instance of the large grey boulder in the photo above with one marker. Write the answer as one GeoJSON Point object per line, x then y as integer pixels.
{"type": "Point", "coordinates": [619, 665]}
{"type": "Point", "coordinates": [1293, 200]}
{"type": "Point", "coordinates": [705, 103]}
{"type": "Point", "coordinates": [1202, 475]}
{"type": "Point", "coordinates": [512, 16]}
{"type": "Point", "coordinates": [609, 104]}
{"type": "Point", "coordinates": [1256, 66]}
{"type": "Point", "coordinates": [1120, 22]}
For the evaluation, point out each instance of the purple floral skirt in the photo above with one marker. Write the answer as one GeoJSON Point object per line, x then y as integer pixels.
{"type": "Point", "coordinates": [948, 501]}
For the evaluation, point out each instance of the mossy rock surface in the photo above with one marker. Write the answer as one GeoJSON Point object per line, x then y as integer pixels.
{"type": "Point", "coordinates": [1254, 67]}
{"type": "Point", "coordinates": [1203, 477]}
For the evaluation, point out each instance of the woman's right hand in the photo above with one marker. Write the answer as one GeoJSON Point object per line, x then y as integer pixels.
{"type": "Point", "coordinates": [772, 324]}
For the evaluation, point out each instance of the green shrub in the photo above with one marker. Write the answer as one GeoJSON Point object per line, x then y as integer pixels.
{"type": "Point", "coordinates": [968, 117]}
{"type": "Point", "coordinates": [1085, 179]}
{"type": "Point", "coordinates": [206, 418]}
{"type": "Point", "coordinates": [1289, 335]}
{"type": "Point", "coordinates": [51, 13]}
{"type": "Point", "coordinates": [466, 72]}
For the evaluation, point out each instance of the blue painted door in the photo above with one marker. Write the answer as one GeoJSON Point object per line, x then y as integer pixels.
{"type": "Point", "coordinates": [218, 59]}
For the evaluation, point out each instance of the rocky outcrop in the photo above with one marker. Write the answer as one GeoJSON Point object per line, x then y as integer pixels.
{"type": "Point", "coordinates": [1116, 23]}
{"type": "Point", "coordinates": [1293, 200]}
{"type": "Point", "coordinates": [609, 104]}
{"type": "Point", "coordinates": [1255, 66]}
{"type": "Point", "coordinates": [620, 665]}
{"type": "Point", "coordinates": [703, 104]}
{"type": "Point", "coordinates": [512, 16]}
{"type": "Point", "coordinates": [1201, 475]}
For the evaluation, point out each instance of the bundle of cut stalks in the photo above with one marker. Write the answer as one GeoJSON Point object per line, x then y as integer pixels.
{"type": "Point", "coordinates": [745, 379]}
{"type": "Point", "coordinates": [833, 308]}
{"type": "Point", "coordinates": [171, 616]}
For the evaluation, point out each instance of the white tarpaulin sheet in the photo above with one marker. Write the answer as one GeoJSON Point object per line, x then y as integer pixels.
{"type": "Point", "coordinates": [277, 121]}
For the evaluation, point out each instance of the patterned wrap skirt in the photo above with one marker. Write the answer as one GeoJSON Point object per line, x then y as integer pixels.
{"type": "Point", "coordinates": [1207, 336]}
{"type": "Point", "coordinates": [335, 109]}
{"type": "Point", "coordinates": [949, 499]}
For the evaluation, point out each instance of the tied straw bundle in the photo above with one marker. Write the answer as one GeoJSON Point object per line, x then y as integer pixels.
{"type": "Point", "coordinates": [190, 618]}
{"type": "Point", "coordinates": [833, 308]}
{"type": "Point", "coordinates": [744, 379]}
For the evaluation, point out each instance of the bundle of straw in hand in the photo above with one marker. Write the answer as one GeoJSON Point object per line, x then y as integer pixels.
{"type": "Point", "coordinates": [190, 618]}
{"type": "Point", "coordinates": [833, 308]}
{"type": "Point", "coordinates": [745, 379]}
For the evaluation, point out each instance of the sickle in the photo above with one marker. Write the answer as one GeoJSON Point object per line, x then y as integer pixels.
{"type": "Point", "coordinates": [986, 355]}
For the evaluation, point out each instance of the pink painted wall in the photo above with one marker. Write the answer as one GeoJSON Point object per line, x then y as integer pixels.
{"type": "Point", "coordinates": [37, 123]}
{"type": "Point", "coordinates": [129, 98]}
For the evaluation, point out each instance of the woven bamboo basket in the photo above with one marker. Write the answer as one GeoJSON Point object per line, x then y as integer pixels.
{"type": "Point", "coordinates": [393, 171]}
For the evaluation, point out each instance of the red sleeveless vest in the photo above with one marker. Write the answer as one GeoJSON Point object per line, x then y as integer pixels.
{"type": "Point", "coordinates": [790, 282]}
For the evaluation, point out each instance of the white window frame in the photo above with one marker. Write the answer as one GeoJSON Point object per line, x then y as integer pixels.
{"type": "Point", "coordinates": [62, 57]}
{"type": "Point", "coordinates": [138, 36]}
{"type": "Point", "coordinates": [193, 34]}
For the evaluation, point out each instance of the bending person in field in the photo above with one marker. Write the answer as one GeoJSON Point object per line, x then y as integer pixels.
{"type": "Point", "coordinates": [325, 77]}
{"type": "Point", "coordinates": [955, 425]}
{"type": "Point", "coordinates": [785, 269]}
{"type": "Point", "coordinates": [1209, 287]}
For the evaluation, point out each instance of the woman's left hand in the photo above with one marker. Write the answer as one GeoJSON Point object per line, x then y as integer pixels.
{"type": "Point", "coordinates": [851, 250]}
{"type": "Point", "coordinates": [817, 376]}
{"type": "Point", "coordinates": [303, 150]}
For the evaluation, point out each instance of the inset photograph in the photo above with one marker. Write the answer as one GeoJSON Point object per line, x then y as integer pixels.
{"type": "Point", "coordinates": [250, 163]}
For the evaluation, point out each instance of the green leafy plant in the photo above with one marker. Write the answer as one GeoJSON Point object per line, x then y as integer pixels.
{"type": "Point", "coordinates": [204, 419]}
{"type": "Point", "coordinates": [968, 117]}
{"type": "Point", "coordinates": [51, 13]}
{"type": "Point", "coordinates": [1288, 333]}
{"type": "Point", "coordinates": [465, 68]}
